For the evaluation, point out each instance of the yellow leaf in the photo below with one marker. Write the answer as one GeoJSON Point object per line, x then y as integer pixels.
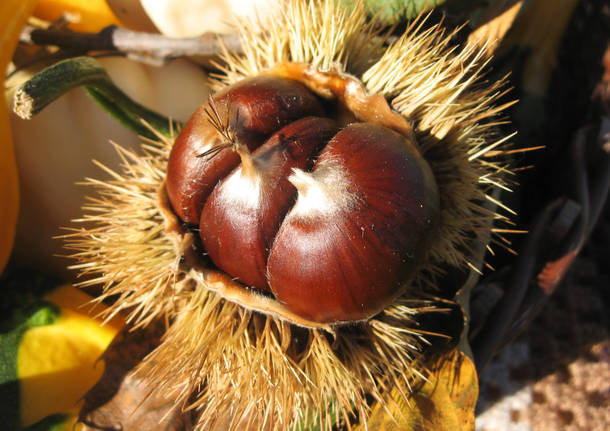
{"type": "Point", "coordinates": [13, 14]}
{"type": "Point", "coordinates": [445, 402]}
{"type": "Point", "coordinates": [539, 30]}
{"type": "Point", "coordinates": [494, 23]}
{"type": "Point", "coordinates": [57, 364]}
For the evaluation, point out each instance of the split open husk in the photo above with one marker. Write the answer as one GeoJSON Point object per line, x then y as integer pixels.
{"type": "Point", "coordinates": [244, 366]}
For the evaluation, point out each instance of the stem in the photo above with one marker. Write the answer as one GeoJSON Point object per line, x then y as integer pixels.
{"type": "Point", "coordinates": [54, 81]}
{"type": "Point", "coordinates": [151, 48]}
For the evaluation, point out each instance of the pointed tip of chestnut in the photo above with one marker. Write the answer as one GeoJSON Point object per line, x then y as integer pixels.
{"type": "Point", "coordinates": [321, 193]}
{"type": "Point", "coordinates": [302, 180]}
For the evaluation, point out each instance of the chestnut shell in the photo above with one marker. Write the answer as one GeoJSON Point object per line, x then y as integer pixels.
{"type": "Point", "coordinates": [258, 219]}
{"type": "Point", "coordinates": [255, 108]}
{"type": "Point", "coordinates": [349, 261]}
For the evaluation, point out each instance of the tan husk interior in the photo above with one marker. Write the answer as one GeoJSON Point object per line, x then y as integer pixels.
{"type": "Point", "coordinates": [348, 91]}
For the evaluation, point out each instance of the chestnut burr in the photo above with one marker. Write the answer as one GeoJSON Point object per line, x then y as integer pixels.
{"type": "Point", "coordinates": [335, 223]}
{"type": "Point", "coordinates": [254, 108]}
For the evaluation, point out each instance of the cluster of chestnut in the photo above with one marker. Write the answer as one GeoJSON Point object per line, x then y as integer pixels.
{"type": "Point", "coordinates": [333, 218]}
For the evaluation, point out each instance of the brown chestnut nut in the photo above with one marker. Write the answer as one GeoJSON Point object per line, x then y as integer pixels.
{"type": "Point", "coordinates": [254, 108]}
{"type": "Point", "coordinates": [337, 240]}
{"type": "Point", "coordinates": [355, 236]}
{"type": "Point", "coordinates": [243, 213]}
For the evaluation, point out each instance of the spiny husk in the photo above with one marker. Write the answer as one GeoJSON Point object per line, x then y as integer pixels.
{"type": "Point", "coordinates": [245, 370]}
{"type": "Point", "coordinates": [123, 247]}
{"type": "Point", "coordinates": [433, 84]}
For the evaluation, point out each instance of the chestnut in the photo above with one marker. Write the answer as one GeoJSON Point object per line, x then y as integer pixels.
{"type": "Point", "coordinates": [353, 240]}
{"type": "Point", "coordinates": [253, 108]}
{"type": "Point", "coordinates": [243, 213]}
{"type": "Point", "coordinates": [334, 223]}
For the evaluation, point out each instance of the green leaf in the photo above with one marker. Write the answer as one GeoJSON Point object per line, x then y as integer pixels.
{"type": "Point", "coordinates": [51, 423]}
{"type": "Point", "coordinates": [391, 11]}
{"type": "Point", "coordinates": [37, 314]}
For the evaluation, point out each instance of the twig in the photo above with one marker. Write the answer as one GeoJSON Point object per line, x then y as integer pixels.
{"type": "Point", "coordinates": [152, 48]}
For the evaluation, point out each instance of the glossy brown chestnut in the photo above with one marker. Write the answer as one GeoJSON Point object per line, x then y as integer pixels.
{"type": "Point", "coordinates": [352, 241]}
{"type": "Point", "coordinates": [254, 108]}
{"type": "Point", "coordinates": [243, 213]}
{"type": "Point", "coordinates": [335, 223]}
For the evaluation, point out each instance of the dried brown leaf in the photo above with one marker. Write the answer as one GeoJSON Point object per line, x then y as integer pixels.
{"type": "Point", "coordinates": [445, 402]}
{"type": "Point", "coordinates": [124, 400]}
